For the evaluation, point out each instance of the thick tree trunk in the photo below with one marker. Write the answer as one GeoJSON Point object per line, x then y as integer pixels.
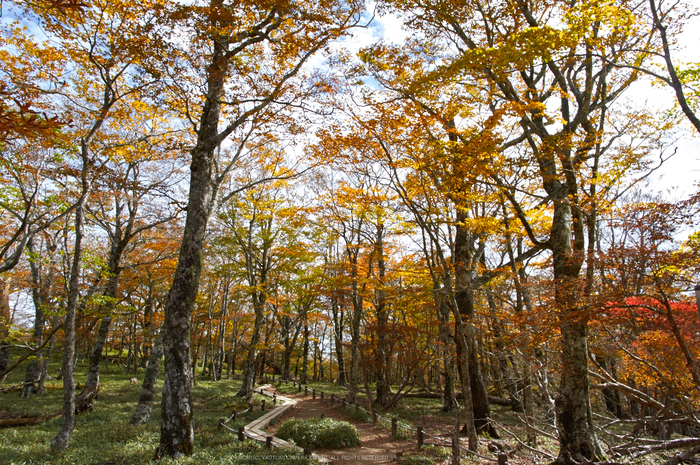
{"type": "Point", "coordinates": [574, 423]}
{"type": "Point", "coordinates": [177, 429]}
{"type": "Point", "coordinates": [470, 423]}
{"type": "Point", "coordinates": [148, 389]}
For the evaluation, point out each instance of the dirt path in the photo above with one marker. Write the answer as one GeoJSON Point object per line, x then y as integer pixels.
{"type": "Point", "coordinates": [378, 447]}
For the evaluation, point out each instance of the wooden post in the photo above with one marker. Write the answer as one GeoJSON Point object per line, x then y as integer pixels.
{"type": "Point", "coordinates": [419, 436]}
{"type": "Point", "coordinates": [394, 427]}
{"type": "Point", "coordinates": [241, 434]}
{"type": "Point", "coordinates": [307, 451]}
{"type": "Point", "coordinates": [332, 400]}
{"type": "Point", "coordinates": [502, 459]}
{"type": "Point", "coordinates": [374, 418]}
{"type": "Point", "coordinates": [321, 396]}
{"type": "Point", "coordinates": [357, 407]}
{"type": "Point", "coordinates": [306, 390]}
{"type": "Point", "coordinates": [313, 394]}
{"type": "Point", "coordinates": [262, 405]}
{"type": "Point", "coordinates": [268, 442]}
{"type": "Point", "coordinates": [274, 399]}
{"type": "Point", "coordinates": [299, 387]}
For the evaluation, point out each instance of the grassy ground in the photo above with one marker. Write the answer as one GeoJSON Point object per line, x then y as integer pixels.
{"type": "Point", "coordinates": [104, 435]}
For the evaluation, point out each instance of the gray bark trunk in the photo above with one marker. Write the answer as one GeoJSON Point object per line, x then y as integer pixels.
{"type": "Point", "coordinates": [353, 387]}
{"type": "Point", "coordinates": [305, 353]}
{"type": "Point", "coordinates": [148, 389]}
{"type": "Point", "coordinates": [466, 258]}
{"type": "Point", "coordinates": [246, 390]}
{"type": "Point", "coordinates": [572, 404]}
{"type": "Point", "coordinates": [383, 356]}
{"type": "Point", "coordinates": [338, 317]}
{"type": "Point", "coordinates": [40, 295]}
{"type": "Point", "coordinates": [177, 429]}
{"type": "Point", "coordinates": [60, 442]}
{"type": "Point", "coordinates": [4, 324]}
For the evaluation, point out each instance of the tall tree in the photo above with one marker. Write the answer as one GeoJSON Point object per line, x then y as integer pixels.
{"type": "Point", "coordinates": [536, 63]}
{"type": "Point", "coordinates": [249, 55]}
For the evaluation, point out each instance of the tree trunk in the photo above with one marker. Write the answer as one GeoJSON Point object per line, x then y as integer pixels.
{"type": "Point", "coordinates": [246, 390]}
{"type": "Point", "coordinates": [353, 388]}
{"type": "Point", "coordinates": [4, 324]}
{"type": "Point", "coordinates": [60, 442]}
{"type": "Point", "coordinates": [305, 353]}
{"type": "Point", "coordinates": [148, 389]}
{"type": "Point", "coordinates": [383, 356]}
{"type": "Point", "coordinates": [574, 423]}
{"type": "Point", "coordinates": [466, 258]}
{"type": "Point", "coordinates": [338, 317]}
{"type": "Point", "coordinates": [40, 297]}
{"type": "Point", "coordinates": [177, 429]}
{"type": "Point", "coordinates": [449, 403]}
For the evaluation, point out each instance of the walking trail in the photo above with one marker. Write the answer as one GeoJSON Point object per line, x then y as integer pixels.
{"type": "Point", "coordinates": [378, 447]}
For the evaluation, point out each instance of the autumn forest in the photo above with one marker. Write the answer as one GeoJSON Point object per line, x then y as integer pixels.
{"type": "Point", "coordinates": [217, 195]}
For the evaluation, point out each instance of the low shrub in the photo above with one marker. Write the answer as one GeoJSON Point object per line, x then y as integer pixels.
{"type": "Point", "coordinates": [319, 433]}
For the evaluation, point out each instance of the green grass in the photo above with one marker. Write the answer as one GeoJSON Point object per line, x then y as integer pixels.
{"type": "Point", "coordinates": [105, 436]}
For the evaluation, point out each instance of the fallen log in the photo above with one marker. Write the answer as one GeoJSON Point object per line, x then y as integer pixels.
{"type": "Point", "coordinates": [26, 421]}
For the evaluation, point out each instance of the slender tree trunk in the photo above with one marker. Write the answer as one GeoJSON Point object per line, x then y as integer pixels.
{"type": "Point", "coordinates": [40, 297]}
{"type": "Point", "coordinates": [60, 442]}
{"type": "Point", "coordinates": [148, 389]}
{"type": "Point", "coordinates": [246, 390]}
{"type": "Point", "coordinates": [305, 353]}
{"type": "Point", "coordinates": [4, 323]}
{"type": "Point", "coordinates": [353, 388]}
{"type": "Point", "coordinates": [338, 317]}
{"type": "Point", "coordinates": [382, 361]}
{"type": "Point", "coordinates": [449, 403]}
{"type": "Point", "coordinates": [505, 368]}
{"type": "Point", "coordinates": [465, 261]}
{"type": "Point", "coordinates": [221, 339]}
{"type": "Point", "coordinates": [84, 400]}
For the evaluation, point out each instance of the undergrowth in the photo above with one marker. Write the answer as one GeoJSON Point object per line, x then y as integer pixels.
{"type": "Point", "coordinates": [105, 435]}
{"type": "Point", "coordinates": [319, 433]}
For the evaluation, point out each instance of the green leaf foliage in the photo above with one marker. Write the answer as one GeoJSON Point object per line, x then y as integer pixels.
{"type": "Point", "coordinates": [319, 433]}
